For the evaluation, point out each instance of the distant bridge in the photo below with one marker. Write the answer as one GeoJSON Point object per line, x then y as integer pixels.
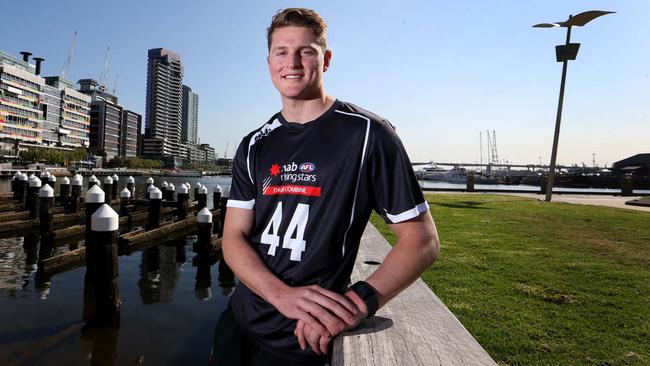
{"type": "Point", "coordinates": [488, 166]}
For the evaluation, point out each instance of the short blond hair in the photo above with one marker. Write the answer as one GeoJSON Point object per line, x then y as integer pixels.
{"type": "Point", "coordinates": [299, 17]}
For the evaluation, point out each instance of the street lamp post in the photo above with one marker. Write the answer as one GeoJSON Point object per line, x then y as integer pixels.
{"type": "Point", "coordinates": [564, 53]}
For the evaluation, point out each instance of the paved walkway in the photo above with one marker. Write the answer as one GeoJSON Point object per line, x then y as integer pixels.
{"type": "Point", "coordinates": [585, 199]}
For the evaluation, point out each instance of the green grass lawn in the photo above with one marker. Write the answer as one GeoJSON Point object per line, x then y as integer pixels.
{"type": "Point", "coordinates": [544, 283]}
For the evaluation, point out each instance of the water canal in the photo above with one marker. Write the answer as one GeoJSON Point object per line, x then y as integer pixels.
{"type": "Point", "coordinates": [171, 300]}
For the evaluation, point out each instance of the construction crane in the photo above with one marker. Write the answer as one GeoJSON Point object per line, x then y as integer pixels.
{"type": "Point", "coordinates": [103, 78]}
{"type": "Point", "coordinates": [66, 66]}
{"type": "Point", "coordinates": [114, 92]}
{"type": "Point", "coordinates": [492, 153]}
{"type": "Point", "coordinates": [495, 155]}
{"type": "Point", "coordinates": [489, 148]}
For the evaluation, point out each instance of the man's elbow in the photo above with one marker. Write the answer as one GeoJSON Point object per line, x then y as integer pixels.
{"type": "Point", "coordinates": [228, 246]}
{"type": "Point", "coordinates": [430, 247]}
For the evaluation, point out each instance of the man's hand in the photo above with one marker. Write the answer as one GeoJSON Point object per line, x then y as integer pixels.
{"type": "Point", "coordinates": [327, 313]}
{"type": "Point", "coordinates": [307, 334]}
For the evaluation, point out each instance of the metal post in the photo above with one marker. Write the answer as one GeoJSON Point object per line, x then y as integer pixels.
{"type": "Point", "coordinates": [130, 185]}
{"type": "Point", "coordinates": [94, 200]}
{"type": "Point", "coordinates": [216, 201]}
{"type": "Point", "coordinates": [125, 198]}
{"type": "Point", "coordinates": [64, 190]}
{"type": "Point", "coordinates": [51, 180]}
{"type": "Point", "coordinates": [197, 186]}
{"type": "Point", "coordinates": [101, 291]}
{"type": "Point", "coordinates": [77, 183]}
{"type": "Point", "coordinates": [469, 181]}
{"type": "Point", "coordinates": [155, 202]}
{"type": "Point", "coordinates": [149, 182]}
{"type": "Point", "coordinates": [116, 186]}
{"type": "Point", "coordinates": [202, 197]}
{"type": "Point", "coordinates": [92, 181]}
{"type": "Point", "coordinates": [169, 192]}
{"type": "Point", "coordinates": [558, 119]}
{"type": "Point", "coordinates": [222, 211]}
{"type": "Point", "coordinates": [108, 189]}
{"type": "Point", "coordinates": [44, 177]}
{"type": "Point", "coordinates": [181, 205]}
{"type": "Point", "coordinates": [46, 198]}
{"type": "Point", "coordinates": [14, 184]}
{"type": "Point", "coordinates": [204, 229]}
{"type": "Point", "coordinates": [22, 187]}
{"type": "Point", "coordinates": [32, 198]}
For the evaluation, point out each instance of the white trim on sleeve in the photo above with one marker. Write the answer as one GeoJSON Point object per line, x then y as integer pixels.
{"type": "Point", "coordinates": [241, 204]}
{"type": "Point", "coordinates": [407, 215]}
{"type": "Point", "coordinates": [356, 189]}
{"type": "Point", "coordinates": [263, 132]}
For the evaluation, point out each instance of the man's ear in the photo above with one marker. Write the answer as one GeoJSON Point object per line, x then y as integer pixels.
{"type": "Point", "coordinates": [326, 60]}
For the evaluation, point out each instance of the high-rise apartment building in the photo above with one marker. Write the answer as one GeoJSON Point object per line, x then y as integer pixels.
{"type": "Point", "coordinates": [114, 130]}
{"type": "Point", "coordinates": [51, 107]}
{"type": "Point", "coordinates": [207, 154]}
{"type": "Point", "coordinates": [74, 113]}
{"type": "Point", "coordinates": [131, 126]}
{"type": "Point", "coordinates": [190, 117]}
{"type": "Point", "coordinates": [105, 119]}
{"type": "Point", "coordinates": [164, 104]}
{"type": "Point", "coordinates": [21, 92]}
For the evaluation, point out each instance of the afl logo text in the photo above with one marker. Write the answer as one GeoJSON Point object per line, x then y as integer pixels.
{"type": "Point", "coordinates": [307, 167]}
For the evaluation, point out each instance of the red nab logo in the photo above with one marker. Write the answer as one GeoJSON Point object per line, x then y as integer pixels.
{"type": "Point", "coordinates": [307, 167]}
{"type": "Point", "coordinates": [275, 170]}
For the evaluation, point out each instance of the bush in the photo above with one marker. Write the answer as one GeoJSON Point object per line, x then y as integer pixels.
{"type": "Point", "coordinates": [136, 163]}
{"type": "Point", "coordinates": [52, 156]}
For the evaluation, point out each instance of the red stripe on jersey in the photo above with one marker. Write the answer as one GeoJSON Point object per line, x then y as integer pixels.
{"type": "Point", "coordinates": [293, 189]}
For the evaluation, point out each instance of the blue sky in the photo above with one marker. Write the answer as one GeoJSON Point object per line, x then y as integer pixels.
{"type": "Point", "coordinates": [440, 71]}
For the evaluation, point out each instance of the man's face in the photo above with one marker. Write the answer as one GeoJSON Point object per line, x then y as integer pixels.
{"type": "Point", "coordinates": [297, 62]}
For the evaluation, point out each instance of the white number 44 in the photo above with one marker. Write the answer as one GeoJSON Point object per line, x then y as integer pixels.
{"type": "Point", "coordinates": [297, 225]}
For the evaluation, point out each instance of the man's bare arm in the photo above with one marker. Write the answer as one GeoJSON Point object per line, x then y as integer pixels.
{"type": "Point", "coordinates": [326, 311]}
{"type": "Point", "coordinates": [417, 248]}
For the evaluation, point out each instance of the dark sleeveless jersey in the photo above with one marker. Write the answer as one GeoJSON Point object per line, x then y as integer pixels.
{"type": "Point", "coordinates": [312, 187]}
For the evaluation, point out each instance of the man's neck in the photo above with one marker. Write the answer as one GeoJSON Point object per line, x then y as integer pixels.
{"type": "Point", "coordinates": [303, 111]}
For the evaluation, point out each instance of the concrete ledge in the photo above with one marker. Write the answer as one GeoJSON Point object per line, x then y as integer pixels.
{"type": "Point", "coordinates": [415, 328]}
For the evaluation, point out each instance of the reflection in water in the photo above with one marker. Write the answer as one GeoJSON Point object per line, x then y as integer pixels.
{"type": "Point", "coordinates": [158, 274]}
{"type": "Point", "coordinates": [30, 246]}
{"type": "Point", "coordinates": [42, 281]}
{"type": "Point", "coordinates": [101, 310]}
{"type": "Point", "coordinates": [12, 256]}
{"type": "Point", "coordinates": [34, 325]}
{"type": "Point", "coordinates": [203, 286]}
{"type": "Point", "coordinates": [100, 345]}
{"type": "Point", "coordinates": [226, 278]}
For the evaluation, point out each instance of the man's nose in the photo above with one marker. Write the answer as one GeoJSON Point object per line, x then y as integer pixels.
{"type": "Point", "coordinates": [295, 60]}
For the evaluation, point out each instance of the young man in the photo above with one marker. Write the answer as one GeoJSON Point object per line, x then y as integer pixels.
{"type": "Point", "coordinates": [304, 185]}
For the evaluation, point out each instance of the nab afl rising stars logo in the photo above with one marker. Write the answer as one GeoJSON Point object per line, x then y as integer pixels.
{"type": "Point", "coordinates": [292, 179]}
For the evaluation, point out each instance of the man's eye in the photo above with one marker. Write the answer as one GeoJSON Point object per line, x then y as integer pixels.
{"type": "Point", "coordinates": [308, 52]}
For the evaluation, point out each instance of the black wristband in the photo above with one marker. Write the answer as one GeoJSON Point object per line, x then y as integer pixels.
{"type": "Point", "coordinates": [368, 295]}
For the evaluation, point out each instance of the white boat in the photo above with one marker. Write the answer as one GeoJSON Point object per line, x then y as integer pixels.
{"type": "Point", "coordinates": [436, 173]}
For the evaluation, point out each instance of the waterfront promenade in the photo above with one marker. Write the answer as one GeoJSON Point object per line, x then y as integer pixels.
{"type": "Point", "coordinates": [582, 199]}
